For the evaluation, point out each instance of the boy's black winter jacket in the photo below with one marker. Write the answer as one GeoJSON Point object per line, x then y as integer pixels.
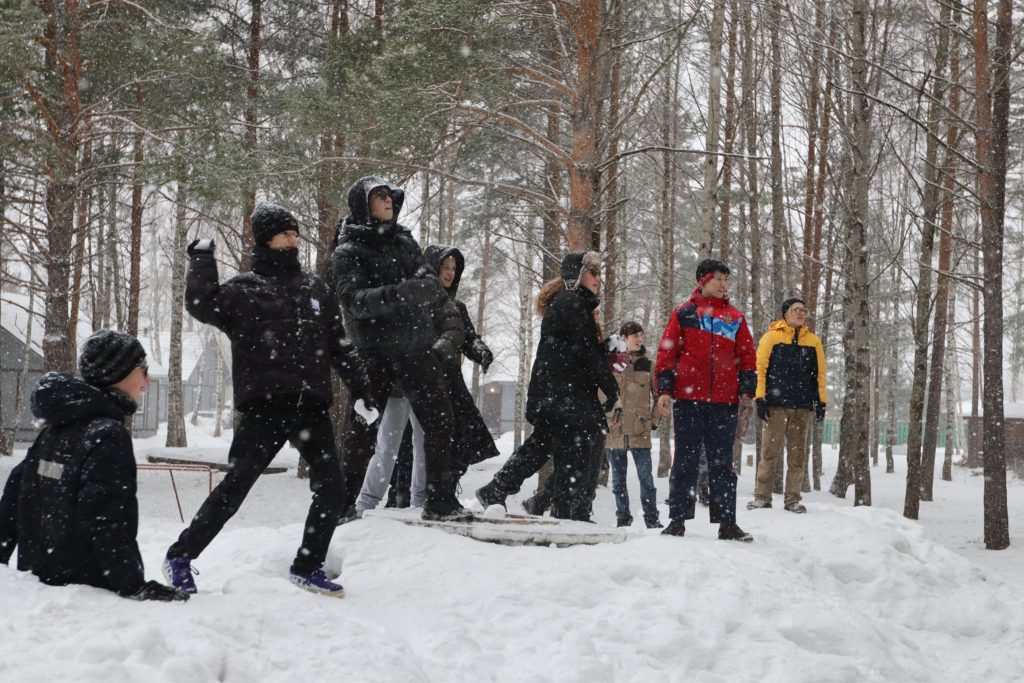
{"type": "Point", "coordinates": [571, 365]}
{"type": "Point", "coordinates": [371, 264]}
{"type": "Point", "coordinates": [284, 325]}
{"type": "Point", "coordinates": [70, 505]}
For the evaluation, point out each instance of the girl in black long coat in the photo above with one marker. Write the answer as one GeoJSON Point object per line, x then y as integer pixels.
{"type": "Point", "coordinates": [471, 441]}
{"type": "Point", "coordinates": [562, 402]}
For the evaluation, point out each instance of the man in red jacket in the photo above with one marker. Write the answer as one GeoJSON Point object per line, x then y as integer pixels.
{"type": "Point", "coordinates": [706, 362]}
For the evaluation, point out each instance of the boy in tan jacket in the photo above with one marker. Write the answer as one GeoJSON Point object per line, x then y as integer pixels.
{"type": "Point", "coordinates": [630, 425]}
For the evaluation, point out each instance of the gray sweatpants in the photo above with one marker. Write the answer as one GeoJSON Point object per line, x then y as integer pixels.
{"type": "Point", "coordinates": [397, 415]}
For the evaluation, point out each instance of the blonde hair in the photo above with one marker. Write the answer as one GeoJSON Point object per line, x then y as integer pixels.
{"type": "Point", "coordinates": [547, 293]}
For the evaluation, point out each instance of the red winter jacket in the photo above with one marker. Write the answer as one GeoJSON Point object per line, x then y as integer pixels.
{"type": "Point", "coordinates": [706, 353]}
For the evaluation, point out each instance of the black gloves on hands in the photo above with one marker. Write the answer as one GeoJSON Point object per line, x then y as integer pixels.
{"type": "Point", "coordinates": [418, 292]}
{"type": "Point", "coordinates": [151, 590]}
{"type": "Point", "coordinates": [445, 350]}
{"type": "Point", "coordinates": [201, 247]}
{"type": "Point", "coordinates": [819, 412]}
{"type": "Point", "coordinates": [762, 410]}
{"type": "Point", "coordinates": [483, 353]}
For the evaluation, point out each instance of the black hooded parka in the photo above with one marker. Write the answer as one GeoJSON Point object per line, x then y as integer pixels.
{"type": "Point", "coordinates": [370, 262]}
{"type": "Point", "coordinates": [473, 442]}
{"type": "Point", "coordinates": [70, 505]}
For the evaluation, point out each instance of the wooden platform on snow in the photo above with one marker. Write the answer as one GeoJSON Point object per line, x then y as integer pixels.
{"type": "Point", "coordinates": [511, 529]}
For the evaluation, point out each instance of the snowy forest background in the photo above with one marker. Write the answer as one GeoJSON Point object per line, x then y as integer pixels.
{"type": "Point", "coordinates": [856, 153]}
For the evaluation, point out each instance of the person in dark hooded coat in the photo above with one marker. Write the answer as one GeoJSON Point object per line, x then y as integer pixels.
{"type": "Point", "coordinates": [473, 441]}
{"type": "Point", "coordinates": [562, 400]}
{"type": "Point", "coordinates": [70, 506]}
{"type": "Point", "coordinates": [286, 334]}
{"type": "Point", "coordinates": [388, 292]}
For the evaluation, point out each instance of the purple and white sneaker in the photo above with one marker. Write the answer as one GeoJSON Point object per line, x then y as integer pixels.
{"type": "Point", "coordinates": [317, 582]}
{"type": "Point", "coordinates": [178, 571]}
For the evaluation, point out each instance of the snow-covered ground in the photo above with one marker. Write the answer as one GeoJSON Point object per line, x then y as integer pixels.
{"type": "Point", "coordinates": [839, 594]}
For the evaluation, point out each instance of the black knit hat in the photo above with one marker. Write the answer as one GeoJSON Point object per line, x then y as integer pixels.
{"type": "Point", "coordinates": [108, 357]}
{"type": "Point", "coordinates": [268, 220]}
{"type": "Point", "coordinates": [788, 303]}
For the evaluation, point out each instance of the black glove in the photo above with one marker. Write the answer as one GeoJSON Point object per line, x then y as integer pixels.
{"type": "Point", "coordinates": [609, 405]}
{"type": "Point", "coordinates": [418, 292]}
{"type": "Point", "coordinates": [151, 590]}
{"type": "Point", "coordinates": [819, 412]}
{"type": "Point", "coordinates": [444, 349]}
{"type": "Point", "coordinates": [201, 247]}
{"type": "Point", "coordinates": [484, 353]}
{"type": "Point", "coordinates": [762, 409]}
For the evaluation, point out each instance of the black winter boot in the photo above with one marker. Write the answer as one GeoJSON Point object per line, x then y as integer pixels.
{"type": "Point", "coordinates": [624, 521]}
{"type": "Point", "coordinates": [732, 532]}
{"type": "Point", "coordinates": [537, 504]}
{"type": "Point", "coordinates": [443, 505]}
{"type": "Point", "coordinates": [445, 509]}
{"type": "Point", "coordinates": [676, 527]}
{"type": "Point", "coordinates": [652, 522]}
{"type": "Point", "coordinates": [489, 494]}
{"type": "Point", "coordinates": [704, 497]}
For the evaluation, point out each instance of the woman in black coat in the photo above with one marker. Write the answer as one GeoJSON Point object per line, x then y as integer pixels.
{"type": "Point", "coordinates": [562, 402]}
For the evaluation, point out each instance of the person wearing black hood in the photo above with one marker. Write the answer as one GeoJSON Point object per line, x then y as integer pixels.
{"type": "Point", "coordinates": [388, 293]}
{"type": "Point", "coordinates": [473, 441]}
{"type": "Point", "coordinates": [70, 506]}
{"type": "Point", "coordinates": [562, 404]}
{"type": "Point", "coordinates": [286, 334]}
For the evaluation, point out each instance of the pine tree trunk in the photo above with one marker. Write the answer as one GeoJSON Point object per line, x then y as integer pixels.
{"type": "Point", "coordinates": [812, 139]}
{"type": "Point", "coordinates": [819, 192]}
{"type": "Point", "coordinates": [176, 437]}
{"type": "Point", "coordinates": [667, 270]}
{"type": "Point", "coordinates": [729, 143]}
{"type": "Point", "coordinates": [778, 281]}
{"type": "Point", "coordinates": [951, 393]}
{"type": "Point", "coordinates": [249, 137]}
{"type": "Point", "coordinates": [481, 304]}
{"type": "Point", "coordinates": [84, 210]}
{"type": "Point", "coordinates": [991, 132]}
{"type": "Point", "coordinates": [611, 240]}
{"type": "Point", "coordinates": [749, 116]}
{"type": "Point", "coordinates": [523, 375]}
{"type": "Point", "coordinates": [930, 205]}
{"type": "Point", "coordinates": [135, 225]}
{"type": "Point", "coordinates": [856, 315]}
{"type": "Point", "coordinates": [709, 195]}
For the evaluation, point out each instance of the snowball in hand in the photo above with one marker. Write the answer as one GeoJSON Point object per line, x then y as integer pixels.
{"type": "Point", "coordinates": [368, 414]}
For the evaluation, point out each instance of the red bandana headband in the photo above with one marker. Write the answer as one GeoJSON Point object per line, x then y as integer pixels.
{"type": "Point", "coordinates": [708, 277]}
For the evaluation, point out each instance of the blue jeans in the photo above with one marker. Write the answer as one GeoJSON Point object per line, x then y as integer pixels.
{"type": "Point", "coordinates": [648, 494]}
{"type": "Point", "coordinates": [711, 427]}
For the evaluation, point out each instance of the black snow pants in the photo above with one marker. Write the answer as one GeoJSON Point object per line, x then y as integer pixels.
{"type": "Point", "coordinates": [421, 379]}
{"type": "Point", "coordinates": [572, 454]}
{"type": "Point", "coordinates": [260, 435]}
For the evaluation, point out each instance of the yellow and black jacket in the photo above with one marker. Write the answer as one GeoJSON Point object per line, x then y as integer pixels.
{"type": "Point", "coordinates": [790, 369]}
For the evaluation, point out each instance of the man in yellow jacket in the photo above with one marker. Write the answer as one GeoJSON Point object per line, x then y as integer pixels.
{"type": "Point", "coordinates": [790, 388]}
